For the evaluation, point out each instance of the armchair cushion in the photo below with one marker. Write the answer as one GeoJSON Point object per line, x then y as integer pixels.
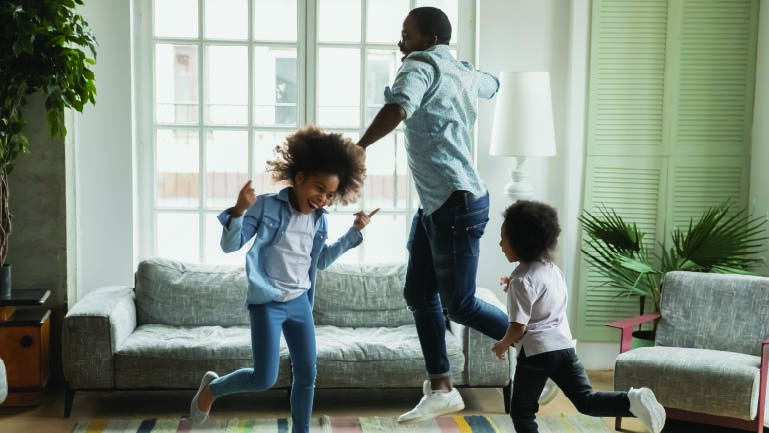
{"type": "Point", "coordinates": [714, 311]}
{"type": "Point", "coordinates": [698, 380]}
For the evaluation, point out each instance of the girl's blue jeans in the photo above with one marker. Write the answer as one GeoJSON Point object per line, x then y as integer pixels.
{"type": "Point", "coordinates": [294, 318]}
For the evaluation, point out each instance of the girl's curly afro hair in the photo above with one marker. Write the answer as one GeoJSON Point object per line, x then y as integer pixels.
{"type": "Point", "coordinates": [532, 229]}
{"type": "Point", "coordinates": [310, 150]}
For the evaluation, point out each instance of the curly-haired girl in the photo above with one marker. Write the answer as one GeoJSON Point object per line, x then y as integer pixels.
{"type": "Point", "coordinates": [289, 230]}
{"type": "Point", "coordinates": [536, 303]}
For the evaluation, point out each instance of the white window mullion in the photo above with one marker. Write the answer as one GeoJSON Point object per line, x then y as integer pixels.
{"type": "Point", "coordinates": [201, 133]}
{"type": "Point", "coordinates": [250, 47]}
{"type": "Point", "coordinates": [145, 156]}
{"type": "Point", "coordinates": [362, 98]}
{"type": "Point", "coordinates": [302, 55]}
{"type": "Point", "coordinates": [310, 50]}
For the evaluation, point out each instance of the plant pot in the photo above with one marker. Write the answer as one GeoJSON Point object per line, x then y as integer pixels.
{"type": "Point", "coordinates": [642, 339]}
{"type": "Point", "coordinates": [5, 281]}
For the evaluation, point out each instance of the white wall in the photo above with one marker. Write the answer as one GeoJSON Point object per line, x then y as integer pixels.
{"type": "Point", "coordinates": [759, 174]}
{"type": "Point", "coordinates": [103, 210]}
{"type": "Point", "coordinates": [546, 35]}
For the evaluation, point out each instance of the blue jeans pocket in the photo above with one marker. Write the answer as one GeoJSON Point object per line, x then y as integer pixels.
{"type": "Point", "coordinates": [468, 230]}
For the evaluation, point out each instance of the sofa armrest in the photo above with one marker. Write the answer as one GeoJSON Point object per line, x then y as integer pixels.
{"type": "Point", "coordinates": [92, 331]}
{"type": "Point", "coordinates": [626, 328]}
{"type": "Point", "coordinates": [482, 368]}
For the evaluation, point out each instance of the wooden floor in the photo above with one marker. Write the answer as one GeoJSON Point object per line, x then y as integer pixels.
{"type": "Point", "coordinates": [172, 404]}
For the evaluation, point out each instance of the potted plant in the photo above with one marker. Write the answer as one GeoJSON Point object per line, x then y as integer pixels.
{"type": "Point", "coordinates": [720, 241]}
{"type": "Point", "coordinates": [43, 46]}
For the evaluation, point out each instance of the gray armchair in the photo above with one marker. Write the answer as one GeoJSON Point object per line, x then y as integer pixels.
{"type": "Point", "coordinates": [711, 354]}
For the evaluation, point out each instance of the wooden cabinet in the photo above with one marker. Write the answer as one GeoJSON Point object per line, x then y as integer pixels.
{"type": "Point", "coordinates": [24, 348]}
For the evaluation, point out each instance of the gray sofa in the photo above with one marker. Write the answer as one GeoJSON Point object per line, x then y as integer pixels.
{"type": "Point", "coordinates": [181, 320]}
{"type": "Point", "coordinates": [712, 342]}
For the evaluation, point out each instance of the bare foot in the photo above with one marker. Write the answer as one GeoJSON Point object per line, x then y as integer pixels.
{"type": "Point", "coordinates": [206, 399]}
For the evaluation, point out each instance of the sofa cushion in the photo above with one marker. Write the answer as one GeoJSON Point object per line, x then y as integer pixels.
{"type": "Point", "coordinates": [378, 357]}
{"type": "Point", "coordinates": [175, 293]}
{"type": "Point", "coordinates": [697, 380]}
{"type": "Point", "coordinates": [361, 296]}
{"type": "Point", "coordinates": [177, 357]}
{"type": "Point", "coordinates": [714, 311]}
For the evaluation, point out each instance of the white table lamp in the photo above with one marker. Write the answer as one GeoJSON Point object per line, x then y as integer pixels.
{"type": "Point", "coordinates": [523, 125]}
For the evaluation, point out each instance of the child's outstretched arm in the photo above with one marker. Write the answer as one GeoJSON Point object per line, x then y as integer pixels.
{"type": "Point", "coordinates": [351, 239]}
{"type": "Point", "coordinates": [238, 225]}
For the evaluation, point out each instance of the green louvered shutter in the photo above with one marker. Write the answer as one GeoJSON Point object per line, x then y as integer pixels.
{"type": "Point", "coordinates": [669, 120]}
{"type": "Point", "coordinates": [624, 167]}
{"type": "Point", "coordinates": [627, 68]}
{"type": "Point", "coordinates": [633, 190]}
{"type": "Point", "coordinates": [711, 88]}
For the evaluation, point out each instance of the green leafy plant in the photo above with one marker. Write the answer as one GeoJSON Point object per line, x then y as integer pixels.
{"type": "Point", "coordinates": [45, 46]}
{"type": "Point", "coordinates": [720, 241]}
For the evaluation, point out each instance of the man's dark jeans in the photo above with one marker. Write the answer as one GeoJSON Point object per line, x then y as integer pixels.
{"type": "Point", "coordinates": [443, 263]}
{"type": "Point", "coordinates": [567, 372]}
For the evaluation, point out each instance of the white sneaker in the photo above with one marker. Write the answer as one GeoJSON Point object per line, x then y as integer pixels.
{"type": "Point", "coordinates": [647, 409]}
{"type": "Point", "coordinates": [197, 416]}
{"type": "Point", "coordinates": [433, 404]}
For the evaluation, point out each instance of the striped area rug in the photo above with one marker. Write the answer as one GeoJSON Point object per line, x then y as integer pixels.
{"type": "Point", "coordinates": [324, 424]}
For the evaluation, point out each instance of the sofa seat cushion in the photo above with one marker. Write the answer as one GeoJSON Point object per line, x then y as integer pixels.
{"type": "Point", "coordinates": [378, 357]}
{"type": "Point", "coordinates": [697, 380]}
{"type": "Point", "coordinates": [178, 356]}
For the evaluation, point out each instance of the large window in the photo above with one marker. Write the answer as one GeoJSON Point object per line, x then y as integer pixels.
{"type": "Point", "coordinates": [226, 80]}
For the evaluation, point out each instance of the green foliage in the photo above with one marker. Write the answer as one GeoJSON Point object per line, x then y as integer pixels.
{"type": "Point", "coordinates": [720, 241]}
{"type": "Point", "coordinates": [44, 46]}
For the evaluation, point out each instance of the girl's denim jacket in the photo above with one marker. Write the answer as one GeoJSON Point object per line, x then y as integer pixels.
{"type": "Point", "coordinates": [267, 219]}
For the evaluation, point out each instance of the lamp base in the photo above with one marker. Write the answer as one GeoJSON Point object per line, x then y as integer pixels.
{"type": "Point", "coordinates": [519, 187]}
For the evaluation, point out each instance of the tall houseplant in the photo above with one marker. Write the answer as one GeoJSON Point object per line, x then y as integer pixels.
{"type": "Point", "coordinates": [45, 46]}
{"type": "Point", "coordinates": [720, 241]}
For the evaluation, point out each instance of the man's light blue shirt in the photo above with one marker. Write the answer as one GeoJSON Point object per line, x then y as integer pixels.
{"type": "Point", "coordinates": [439, 94]}
{"type": "Point", "coordinates": [266, 221]}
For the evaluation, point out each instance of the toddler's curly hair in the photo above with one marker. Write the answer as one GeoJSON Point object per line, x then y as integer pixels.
{"type": "Point", "coordinates": [311, 150]}
{"type": "Point", "coordinates": [532, 229]}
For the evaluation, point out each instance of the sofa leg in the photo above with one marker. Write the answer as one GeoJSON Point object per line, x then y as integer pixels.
{"type": "Point", "coordinates": [69, 398]}
{"type": "Point", "coordinates": [618, 423]}
{"type": "Point", "coordinates": [507, 394]}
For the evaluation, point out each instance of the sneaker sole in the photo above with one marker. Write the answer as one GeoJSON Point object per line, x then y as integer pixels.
{"type": "Point", "coordinates": [429, 417]}
{"type": "Point", "coordinates": [654, 411]}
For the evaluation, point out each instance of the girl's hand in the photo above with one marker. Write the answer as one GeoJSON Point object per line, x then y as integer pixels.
{"type": "Point", "coordinates": [362, 220]}
{"type": "Point", "coordinates": [500, 349]}
{"type": "Point", "coordinates": [246, 199]}
{"type": "Point", "coordinates": [505, 283]}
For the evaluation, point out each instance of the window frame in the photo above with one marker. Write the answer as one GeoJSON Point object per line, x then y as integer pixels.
{"type": "Point", "coordinates": [308, 48]}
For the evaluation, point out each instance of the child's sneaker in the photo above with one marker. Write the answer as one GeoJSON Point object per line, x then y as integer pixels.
{"type": "Point", "coordinates": [433, 404]}
{"type": "Point", "coordinates": [645, 407]}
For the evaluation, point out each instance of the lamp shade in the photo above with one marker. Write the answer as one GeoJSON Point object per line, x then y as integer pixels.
{"type": "Point", "coordinates": [523, 116]}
